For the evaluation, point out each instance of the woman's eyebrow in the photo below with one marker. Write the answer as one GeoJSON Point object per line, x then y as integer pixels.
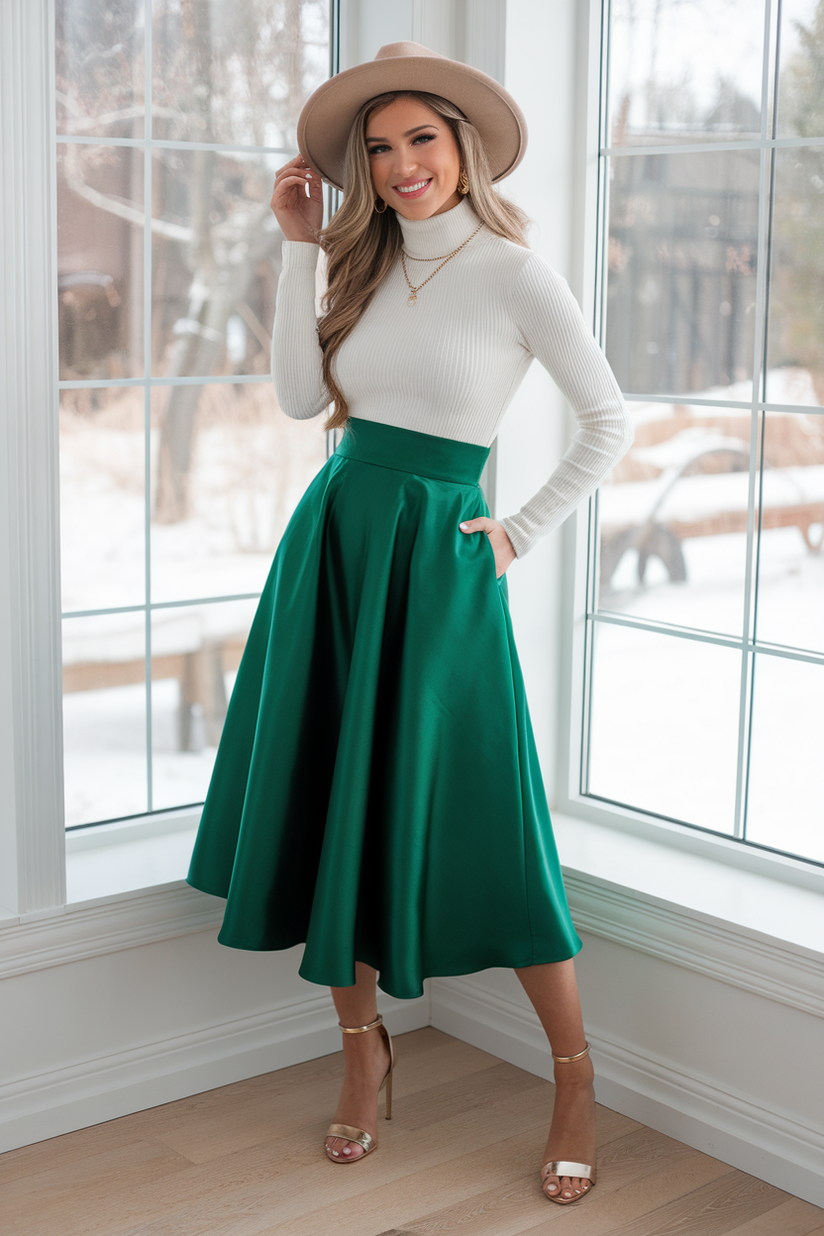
{"type": "Point", "coordinates": [408, 132]}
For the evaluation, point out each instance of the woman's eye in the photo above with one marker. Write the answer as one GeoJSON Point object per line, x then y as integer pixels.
{"type": "Point", "coordinates": [422, 137]}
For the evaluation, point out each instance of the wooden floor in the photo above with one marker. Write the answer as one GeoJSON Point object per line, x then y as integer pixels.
{"type": "Point", "coordinates": [461, 1155]}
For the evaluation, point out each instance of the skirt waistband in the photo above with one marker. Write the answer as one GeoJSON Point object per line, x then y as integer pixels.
{"type": "Point", "coordinates": [409, 450]}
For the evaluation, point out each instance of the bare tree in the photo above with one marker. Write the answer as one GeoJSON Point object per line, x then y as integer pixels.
{"type": "Point", "coordinates": [225, 72]}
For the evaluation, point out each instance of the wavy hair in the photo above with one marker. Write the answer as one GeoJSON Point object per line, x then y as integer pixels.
{"type": "Point", "coordinates": [361, 245]}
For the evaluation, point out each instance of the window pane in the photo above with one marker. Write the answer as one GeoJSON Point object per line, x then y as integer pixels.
{"type": "Point", "coordinates": [791, 564]}
{"type": "Point", "coordinates": [681, 273]}
{"type": "Point", "coordinates": [104, 717]}
{"type": "Point", "coordinates": [236, 73]}
{"type": "Point", "coordinates": [99, 67]}
{"type": "Point", "coordinates": [673, 518]}
{"type": "Point", "coordinates": [784, 805]}
{"type": "Point", "coordinates": [100, 261]}
{"type": "Point", "coordinates": [216, 258]}
{"type": "Point", "coordinates": [102, 507]}
{"type": "Point", "coordinates": [796, 318]}
{"type": "Point", "coordinates": [199, 269]}
{"type": "Point", "coordinates": [228, 469]}
{"type": "Point", "coordinates": [801, 87]}
{"type": "Point", "coordinates": [195, 654]}
{"type": "Point", "coordinates": [685, 72]}
{"type": "Point", "coordinates": [664, 725]}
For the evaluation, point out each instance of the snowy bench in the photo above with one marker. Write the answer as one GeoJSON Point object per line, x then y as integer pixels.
{"type": "Point", "coordinates": [197, 647]}
{"type": "Point", "coordinates": [691, 500]}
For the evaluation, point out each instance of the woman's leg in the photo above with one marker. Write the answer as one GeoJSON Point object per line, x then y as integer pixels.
{"type": "Point", "coordinates": [554, 993]}
{"type": "Point", "coordinates": [366, 1059]}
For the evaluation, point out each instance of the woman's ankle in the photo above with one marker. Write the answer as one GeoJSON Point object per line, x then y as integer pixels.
{"type": "Point", "coordinates": [579, 1075]}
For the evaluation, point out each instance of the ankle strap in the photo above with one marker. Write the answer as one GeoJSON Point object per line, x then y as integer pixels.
{"type": "Point", "coordinates": [569, 1059]}
{"type": "Point", "coordinates": [360, 1029]}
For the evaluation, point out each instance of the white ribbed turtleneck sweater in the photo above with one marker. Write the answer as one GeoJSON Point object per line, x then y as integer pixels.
{"type": "Point", "coordinates": [450, 364]}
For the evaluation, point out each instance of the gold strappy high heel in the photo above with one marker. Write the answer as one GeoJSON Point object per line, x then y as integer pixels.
{"type": "Point", "coordinates": [349, 1131]}
{"type": "Point", "coordinates": [564, 1167]}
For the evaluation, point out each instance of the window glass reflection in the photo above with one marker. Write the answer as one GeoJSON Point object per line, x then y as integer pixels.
{"type": "Point", "coordinates": [100, 261]}
{"type": "Point", "coordinates": [196, 651]}
{"type": "Point", "coordinates": [796, 310]}
{"type": "Point", "coordinates": [784, 802]}
{"type": "Point", "coordinates": [791, 557]}
{"type": "Point", "coordinates": [228, 468]}
{"type": "Point", "coordinates": [801, 84]}
{"type": "Point", "coordinates": [673, 518]}
{"type": "Point", "coordinates": [99, 68]}
{"type": "Point", "coordinates": [236, 73]}
{"type": "Point", "coordinates": [216, 261]}
{"type": "Point", "coordinates": [104, 717]}
{"type": "Point", "coordinates": [191, 238]}
{"type": "Point", "coordinates": [681, 273]}
{"type": "Point", "coordinates": [664, 727]}
{"type": "Point", "coordinates": [685, 72]}
{"type": "Point", "coordinates": [102, 498]}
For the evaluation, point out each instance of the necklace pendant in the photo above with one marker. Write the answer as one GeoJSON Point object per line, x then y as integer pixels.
{"type": "Point", "coordinates": [413, 299]}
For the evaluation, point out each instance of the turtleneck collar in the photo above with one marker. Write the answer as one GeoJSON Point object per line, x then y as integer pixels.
{"type": "Point", "coordinates": [439, 234]}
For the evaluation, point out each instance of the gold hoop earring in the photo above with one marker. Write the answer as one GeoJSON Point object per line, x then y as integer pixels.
{"type": "Point", "coordinates": [380, 212]}
{"type": "Point", "coordinates": [463, 183]}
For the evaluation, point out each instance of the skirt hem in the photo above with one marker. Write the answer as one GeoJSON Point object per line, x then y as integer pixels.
{"type": "Point", "coordinates": [484, 964]}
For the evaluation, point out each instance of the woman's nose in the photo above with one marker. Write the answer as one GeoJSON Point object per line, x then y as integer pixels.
{"type": "Point", "coordinates": [406, 163]}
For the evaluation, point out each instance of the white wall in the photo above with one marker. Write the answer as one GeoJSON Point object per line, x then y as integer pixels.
{"type": "Point", "coordinates": [102, 1015]}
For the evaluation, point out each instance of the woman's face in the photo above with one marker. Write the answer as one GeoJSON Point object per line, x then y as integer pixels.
{"type": "Point", "coordinates": [414, 158]}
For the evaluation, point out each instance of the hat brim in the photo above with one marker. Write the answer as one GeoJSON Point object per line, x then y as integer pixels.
{"type": "Point", "coordinates": [327, 116]}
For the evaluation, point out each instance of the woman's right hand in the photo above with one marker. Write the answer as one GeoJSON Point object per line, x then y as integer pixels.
{"type": "Point", "coordinates": [299, 216]}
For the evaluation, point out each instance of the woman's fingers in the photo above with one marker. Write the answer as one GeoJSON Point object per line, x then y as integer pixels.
{"type": "Point", "coordinates": [502, 547]}
{"type": "Point", "coordinates": [297, 199]}
{"type": "Point", "coordinates": [482, 524]}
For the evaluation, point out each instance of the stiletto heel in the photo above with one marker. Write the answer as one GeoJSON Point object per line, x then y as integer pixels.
{"type": "Point", "coordinates": [564, 1167]}
{"type": "Point", "coordinates": [349, 1131]}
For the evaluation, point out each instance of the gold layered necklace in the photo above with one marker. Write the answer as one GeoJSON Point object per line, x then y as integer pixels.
{"type": "Point", "coordinates": [443, 259]}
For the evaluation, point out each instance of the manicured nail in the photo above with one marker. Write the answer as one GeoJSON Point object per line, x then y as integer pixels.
{"type": "Point", "coordinates": [346, 1150]}
{"type": "Point", "coordinates": [464, 526]}
{"type": "Point", "coordinates": [306, 187]}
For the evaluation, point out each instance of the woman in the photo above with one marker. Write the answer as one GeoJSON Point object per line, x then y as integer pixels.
{"type": "Point", "coordinates": [377, 793]}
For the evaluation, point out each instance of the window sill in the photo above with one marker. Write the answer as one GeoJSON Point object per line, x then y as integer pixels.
{"type": "Point", "coordinates": [762, 932]}
{"type": "Point", "coordinates": [129, 855]}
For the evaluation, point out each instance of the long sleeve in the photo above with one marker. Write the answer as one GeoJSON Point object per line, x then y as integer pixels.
{"type": "Point", "coordinates": [296, 353]}
{"type": "Point", "coordinates": [554, 331]}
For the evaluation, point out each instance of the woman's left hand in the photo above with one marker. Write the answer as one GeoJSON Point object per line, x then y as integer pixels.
{"type": "Point", "coordinates": [501, 545]}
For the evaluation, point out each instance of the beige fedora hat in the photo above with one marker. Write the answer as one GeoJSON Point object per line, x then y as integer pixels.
{"type": "Point", "coordinates": [328, 113]}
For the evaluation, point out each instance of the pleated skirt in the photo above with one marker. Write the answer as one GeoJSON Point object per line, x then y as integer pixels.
{"type": "Point", "coordinates": [377, 793]}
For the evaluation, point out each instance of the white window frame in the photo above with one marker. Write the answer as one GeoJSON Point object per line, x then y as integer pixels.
{"type": "Point", "coordinates": [32, 842]}
{"type": "Point", "coordinates": [662, 835]}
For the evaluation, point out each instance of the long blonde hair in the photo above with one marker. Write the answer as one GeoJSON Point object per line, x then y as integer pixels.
{"type": "Point", "coordinates": [361, 244]}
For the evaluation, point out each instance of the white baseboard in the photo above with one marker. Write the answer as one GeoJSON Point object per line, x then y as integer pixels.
{"type": "Point", "coordinates": [86, 1093]}
{"type": "Point", "coordinates": [724, 1125]}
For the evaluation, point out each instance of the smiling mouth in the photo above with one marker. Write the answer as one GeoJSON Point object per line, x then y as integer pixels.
{"type": "Point", "coordinates": [413, 190]}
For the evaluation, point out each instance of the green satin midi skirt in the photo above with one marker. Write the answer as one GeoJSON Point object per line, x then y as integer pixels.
{"type": "Point", "coordinates": [376, 792]}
